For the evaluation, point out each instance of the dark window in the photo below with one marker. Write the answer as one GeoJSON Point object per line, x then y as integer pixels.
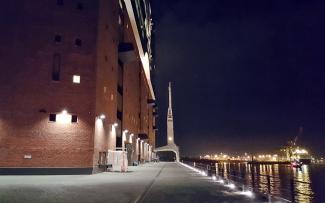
{"type": "Point", "coordinates": [119, 115]}
{"type": "Point", "coordinates": [59, 2]}
{"type": "Point", "coordinates": [74, 119]}
{"type": "Point", "coordinates": [120, 89]}
{"type": "Point", "coordinates": [80, 6]}
{"type": "Point", "coordinates": [52, 117]}
{"type": "Point", "coordinates": [56, 67]}
{"type": "Point", "coordinates": [78, 42]}
{"type": "Point", "coordinates": [119, 141]}
{"type": "Point", "coordinates": [57, 38]}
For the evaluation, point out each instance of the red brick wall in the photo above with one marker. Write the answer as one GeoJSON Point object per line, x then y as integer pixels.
{"type": "Point", "coordinates": [26, 60]}
{"type": "Point", "coordinates": [26, 85]}
{"type": "Point", "coordinates": [106, 76]}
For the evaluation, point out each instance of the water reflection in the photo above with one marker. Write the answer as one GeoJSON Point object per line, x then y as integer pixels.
{"type": "Point", "coordinates": [302, 186]}
{"type": "Point", "coordinates": [279, 180]}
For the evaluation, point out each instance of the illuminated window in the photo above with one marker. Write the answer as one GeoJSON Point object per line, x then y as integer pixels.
{"type": "Point", "coordinates": [76, 79]}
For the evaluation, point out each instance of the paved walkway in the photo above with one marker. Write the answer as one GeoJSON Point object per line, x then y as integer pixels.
{"type": "Point", "coordinates": [154, 182]}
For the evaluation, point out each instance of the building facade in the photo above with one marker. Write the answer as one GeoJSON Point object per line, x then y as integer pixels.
{"type": "Point", "coordinates": [75, 83]}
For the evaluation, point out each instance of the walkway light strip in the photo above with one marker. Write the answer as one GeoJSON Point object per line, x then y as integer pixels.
{"type": "Point", "coordinates": [232, 186]}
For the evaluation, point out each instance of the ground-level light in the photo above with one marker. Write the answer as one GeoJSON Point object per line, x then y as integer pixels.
{"type": "Point", "coordinates": [231, 186]}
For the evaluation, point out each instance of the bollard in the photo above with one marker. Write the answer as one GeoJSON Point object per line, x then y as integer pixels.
{"type": "Point", "coordinates": [269, 198]}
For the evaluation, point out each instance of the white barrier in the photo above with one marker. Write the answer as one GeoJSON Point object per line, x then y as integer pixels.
{"type": "Point", "coordinates": [118, 160]}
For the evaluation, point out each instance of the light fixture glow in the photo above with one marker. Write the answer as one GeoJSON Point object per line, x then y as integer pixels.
{"type": "Point", "coordinates": [63, 117]}
{"type": "Point", "coordinates": [115, 124]}
{"type": "Point", "coordinates": [203, 173]}
{"type": "Point", "coordinates": [231, 186]}
{"type": "Point", "coordinates": [130, 138]}
{"type": "Point", "coordinates": [214, 178]}
{"type": "Point", "coordinates": [125, 131]}
{"type": "Point", "coordinates": [247, 193]}
{"type": "Point", "coordinates": [221, 181]}
{"type": "Point", "coordinates": [102, 116]}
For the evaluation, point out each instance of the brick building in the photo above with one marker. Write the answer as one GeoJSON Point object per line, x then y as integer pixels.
{"type": "Point", "coordinates": [74, 83]}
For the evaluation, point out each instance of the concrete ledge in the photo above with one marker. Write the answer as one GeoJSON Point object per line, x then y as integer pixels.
{"type": "Point", "coordinates": [45, 171]}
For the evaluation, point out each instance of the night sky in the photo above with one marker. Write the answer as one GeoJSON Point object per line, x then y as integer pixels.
{"type": "Point", "coordinates": [246, 74]}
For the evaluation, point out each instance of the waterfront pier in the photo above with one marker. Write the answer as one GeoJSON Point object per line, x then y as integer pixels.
{"type": "Point", "coordinates": [152, 182]}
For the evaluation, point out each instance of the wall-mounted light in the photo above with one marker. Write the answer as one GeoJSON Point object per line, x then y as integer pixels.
{"type": "Point", "coordinates": [102, 116]}
{"type": "Point", "coordinates": [63, 117]}
{"type": "Point", "coordinates": [130, 138]}
{"type": "Point", "coordinates": [115, 125]}
{"type": "Point", "coordinates": [125, 131]}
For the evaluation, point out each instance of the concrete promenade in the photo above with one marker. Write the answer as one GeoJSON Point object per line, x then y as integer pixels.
{"type": "Point", "coordinates": [154, 182]}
